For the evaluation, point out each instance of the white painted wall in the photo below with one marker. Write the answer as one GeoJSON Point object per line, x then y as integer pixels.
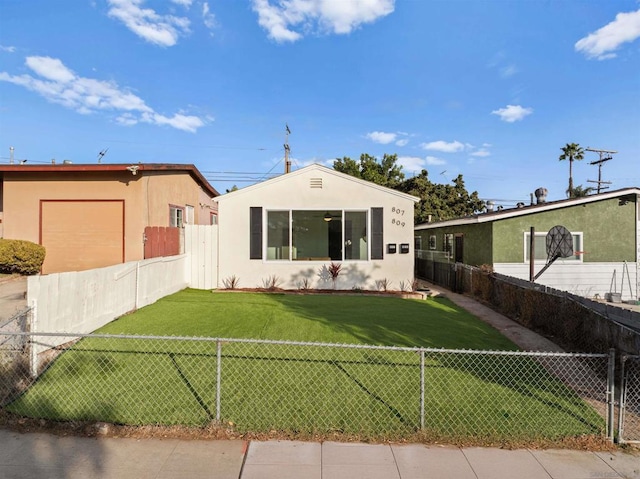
{"type": "Point", "coordinates": [83, 301]}
{"type": "Point", "coordinates": [582, 279]}
{"type": "Point", "coordinates": [201, 248]}
{"type": "Point", "coordinates": [294, 192]}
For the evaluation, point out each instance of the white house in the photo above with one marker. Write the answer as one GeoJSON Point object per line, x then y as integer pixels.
{"type": "Point", "coordinates": [290, 229]}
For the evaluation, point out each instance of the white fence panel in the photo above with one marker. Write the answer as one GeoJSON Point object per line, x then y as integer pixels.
{"type": "Point", "coordinates": [582, 279]}
{"type": "Point", "coordinates": [201, 247]}
{"type": "Point", "coordinates": [84, 301]}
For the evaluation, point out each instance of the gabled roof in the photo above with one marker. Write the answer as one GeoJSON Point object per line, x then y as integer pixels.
{"type": "Point", "coordinates": [529, 209]}
{"type": "Point", "coordinates": [323, 169]}
{"type": "Point", "coordinates": [106, 167]}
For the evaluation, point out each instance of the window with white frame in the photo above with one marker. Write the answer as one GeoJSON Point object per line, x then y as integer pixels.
{"type": "Point", "coordinates": [213, 218]}
{"type": "Point", "coordinates": [176, 216]}
{"type": "Point", "coordinates": [448, 245]}
{"type": "Point", "coordinates": [189, 215]}
{"type": "Point", "coordinates": [311, 235]}
{"type": "Point", "coordinates": [540, 247]}
{"type": "Point", "coordinates": [432, 242]}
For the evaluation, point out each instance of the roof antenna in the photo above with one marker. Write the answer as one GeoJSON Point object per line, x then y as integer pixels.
{"type": "Point", "coordinates": [287, 161]}
{"type": "Point", "coordinates": [102, 153]}
{"type": "Point", "coordinates": [11, 150]}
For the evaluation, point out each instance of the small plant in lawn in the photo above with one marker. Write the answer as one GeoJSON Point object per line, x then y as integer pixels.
{"type": "Point", "coordinates": [334, 271]}
{"type": "Point", "coordinates": [271, 283]}
{"type": "Point", "coordinates": [383, 284]}
{"type": "Point", "coordinates": [231, 282]}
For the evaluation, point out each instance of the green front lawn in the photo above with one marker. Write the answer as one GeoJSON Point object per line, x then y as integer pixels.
{"type": "Point", "coordinates": [307, 388]}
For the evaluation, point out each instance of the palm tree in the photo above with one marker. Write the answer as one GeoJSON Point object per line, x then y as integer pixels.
{"type": "Point", "coordinates": [571, 151]}
{"type": "Point", "coordinates": [581, 191]}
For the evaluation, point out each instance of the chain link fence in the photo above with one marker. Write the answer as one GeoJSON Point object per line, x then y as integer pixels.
{"type": "Point", "coordinates": [261, 386]}
{"type": "Point", "coordinates": [629, 418]}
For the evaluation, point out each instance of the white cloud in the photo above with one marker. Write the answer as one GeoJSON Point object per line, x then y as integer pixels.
{"type": "Point", "coordinates": [382, 137]}
{"type": "Point", "coordinates": [603, 42]}
{"type": "Point", "coordinates": [8, 49]}
{"type": "Point", "coordinates": [162, 30]}
{"type": "Point", "coordinates": [338, 16]}
{"type": "Point", "coordinates": [59, 84]}
{"type": "Point", "coordinates": [402, 142]}
{"type": "Point", "coordinates": [482, 152]}
{"type": "Point", "coordinates": [411, 163]}
{"type": "Point", "coordinates": [512, 113]}
{"type": "Point", "coordinates": [184, 3]}
{"type": "Point", "coordinates": [443, 146]}
{"type": "Point", "coordinates": [208, 18]}
{"type": "Point", "coordinates": [508, 71]}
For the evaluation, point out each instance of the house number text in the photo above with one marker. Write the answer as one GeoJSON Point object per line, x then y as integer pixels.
{"type": "Point", "coordinates": [399, 212]}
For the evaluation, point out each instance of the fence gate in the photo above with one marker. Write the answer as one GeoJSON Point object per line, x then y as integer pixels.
{"type": "Point", "coordinates": [629, 417]}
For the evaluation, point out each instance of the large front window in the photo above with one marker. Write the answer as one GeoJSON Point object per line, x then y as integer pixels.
{"type": "Point", "coordinates": [310, 235]}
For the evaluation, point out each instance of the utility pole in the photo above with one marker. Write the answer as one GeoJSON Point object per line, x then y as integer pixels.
{"type": "Point", "coordinates": [287, 161]}
{"type": "Point", "coordinates": [605, 155]}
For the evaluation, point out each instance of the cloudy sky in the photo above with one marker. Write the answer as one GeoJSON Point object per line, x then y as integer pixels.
{"type": "Point", "coordinates": [487, 89]}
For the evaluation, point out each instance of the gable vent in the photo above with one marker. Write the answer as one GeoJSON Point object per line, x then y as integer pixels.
{"type": "Point", "coordinates": [315, 183]}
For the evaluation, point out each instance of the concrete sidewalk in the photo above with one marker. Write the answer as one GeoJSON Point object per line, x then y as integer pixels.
{"type": "Point", "coordinates": [40, 455]}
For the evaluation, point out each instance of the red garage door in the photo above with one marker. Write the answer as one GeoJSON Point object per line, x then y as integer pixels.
{"type": "Point", "coordinates": [81, 234]}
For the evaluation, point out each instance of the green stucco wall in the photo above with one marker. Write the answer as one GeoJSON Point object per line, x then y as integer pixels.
{"type": "Point", "coordinates": [608, 227]}
{"type": "Point", "coordinates": [477, 241]}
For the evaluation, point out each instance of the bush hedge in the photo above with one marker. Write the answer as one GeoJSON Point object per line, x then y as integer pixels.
{"type": "Point", "coordinates": [19, 256]}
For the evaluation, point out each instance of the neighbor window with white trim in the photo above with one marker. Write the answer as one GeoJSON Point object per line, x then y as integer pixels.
{"type": "Point", "coordinates": [448, 245]}
{"type": "Point", "coordinates": [540, 247]}
{"type": "Point", "coordinates": [176, 216]}
{"type": "Point", "coordinates": [312, 235]}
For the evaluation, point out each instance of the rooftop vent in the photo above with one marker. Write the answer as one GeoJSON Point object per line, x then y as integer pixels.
{"type": "Point", "coordinates": [490, 206]}
{"type": "Point", "coordinates": [520, 204]}
{"type": "Point", "coordinates": [541, 195]}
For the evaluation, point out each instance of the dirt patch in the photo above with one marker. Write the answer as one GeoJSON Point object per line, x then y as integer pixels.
{"type": "Point", "coordinates": [227, 431]}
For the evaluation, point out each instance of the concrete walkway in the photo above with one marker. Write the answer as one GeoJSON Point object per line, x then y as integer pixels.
{"type": "Point", "coordinates": [39, 455]}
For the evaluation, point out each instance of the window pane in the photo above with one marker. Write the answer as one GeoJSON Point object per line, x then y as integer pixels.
{"type": "Point", "coordinates": [317, 235]}
{"type": "Point", "coordinates": [355, 235]}
{"type": "Point", "coordinates": [277, 235]}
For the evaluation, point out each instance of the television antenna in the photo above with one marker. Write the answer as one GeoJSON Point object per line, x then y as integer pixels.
{"type": "Point", "coordinates": [101, 154]}
{"type": "Point", "coordinates": [559, 243]}
{"type": "Point", "coordinates": [287, 150]}
{"type": "Point", "coordinates": [605, 155]}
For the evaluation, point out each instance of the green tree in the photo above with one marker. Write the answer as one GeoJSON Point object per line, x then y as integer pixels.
{"type": "Point", "coordinates": [572, 152]}
{"type": "Point", "coordinates": [441, 202]}
{"type": "Point", "coordinates": [437, 201]}
{"type": "Point", "coordinates": [581, 191]}
{"type": "Point", "coordinates": [386, 172]}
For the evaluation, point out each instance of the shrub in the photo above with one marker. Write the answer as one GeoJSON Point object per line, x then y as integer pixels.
{"type": "Point", "coordinates": [19, 256]}
{"type": "Point", "coordinates": [231, 282]}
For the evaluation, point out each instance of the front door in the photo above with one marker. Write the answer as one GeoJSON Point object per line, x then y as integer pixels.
{"type": "Point", "coordinates": [459, 249]}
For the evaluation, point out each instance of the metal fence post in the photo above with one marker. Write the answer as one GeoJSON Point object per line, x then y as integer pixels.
{"type": "Point", "coordinates": [621, 407]}
{"type": "Point", "coordinates": [421, 388]}
{"type": "Point", "coordinates": [611, 392]}
{"type": "Point", "coordinates": [218, 377]}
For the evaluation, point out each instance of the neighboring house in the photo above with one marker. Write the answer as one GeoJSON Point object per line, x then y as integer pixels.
{"type": "Point", "coordinates": [292, 227]}
{"type": "Point", "coordinates": [93, 215]}
{"type": "Point", "coordinates": [605, 230]}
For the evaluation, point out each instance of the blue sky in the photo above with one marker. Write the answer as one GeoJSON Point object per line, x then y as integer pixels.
{"type": "Point", "coordinates": [487, 89]}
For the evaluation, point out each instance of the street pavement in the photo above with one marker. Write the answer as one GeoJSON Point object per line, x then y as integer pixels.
{"type": "Point", "coordinates": [41, 455]}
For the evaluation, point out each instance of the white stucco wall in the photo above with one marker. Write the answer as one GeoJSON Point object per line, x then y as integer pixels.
{"type": "Point", "coordinates": [295, 192]}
